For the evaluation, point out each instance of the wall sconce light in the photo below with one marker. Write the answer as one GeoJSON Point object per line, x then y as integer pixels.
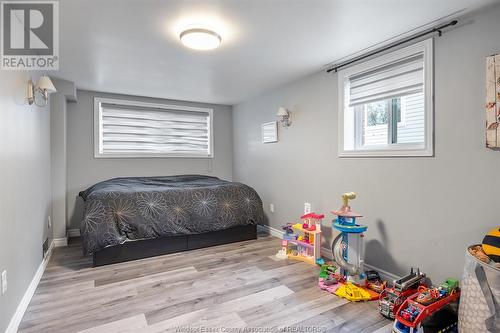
{"type": "Point", "coordinates": [44, 86]}
{"type": "Point", "coordinates": [285, 116]}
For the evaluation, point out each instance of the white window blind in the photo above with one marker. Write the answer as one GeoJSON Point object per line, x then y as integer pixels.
{"type": "Point", "coordinates": [136, 129]}
{"type": "Point", "coordinates": [400, 78]}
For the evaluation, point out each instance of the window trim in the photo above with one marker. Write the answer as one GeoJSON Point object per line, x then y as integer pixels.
{"type": "Point", "coordinates": [401, 149]}
{"type": "Point", "coordinates": [97, 128]}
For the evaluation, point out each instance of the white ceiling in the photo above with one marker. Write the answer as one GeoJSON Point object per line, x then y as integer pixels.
{"type": "Point", "coordinates": [132, 46]}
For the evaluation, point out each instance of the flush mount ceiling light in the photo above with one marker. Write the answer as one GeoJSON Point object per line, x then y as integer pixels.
{"type": "Point", "coordinates": [200, 39]}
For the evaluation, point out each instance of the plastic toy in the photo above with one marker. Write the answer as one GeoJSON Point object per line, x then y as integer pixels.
{"type": "Point", "coordinates": [282, 253]}
{"type": "Point", "coordinates": [412, 314]}
{"type": "Point", "coordinates": [326, 270]}
{"type": "Point", "coordinates": [374, 282]}
{"type": "Point", "coordinates": [406, 282]}
{"type": "Point", "coordinates": [330, 286]}
{"type": "Point", "coordinates": [353, 293]}
{"type": "Point", "coordinates": [302, 241]}
{"type": "Point", "coordinates": [450, 285]}
{"type": "Point", "coordinates": [427, 296]}
{"type": "Point", "coordinates": [376, 285]}
{"type": "Point", "coordinates": [328, 279]}
{"type": "Point", "coordinates": [288, 228]}
{"type": "Point", "coordinates": [320, 261]}
{"type": "Point", "coordinates": [372, 275]}
{"type": "Point", "coordinates": [390, 299]}
{"type": "Point", "coordinates": [347, 247]}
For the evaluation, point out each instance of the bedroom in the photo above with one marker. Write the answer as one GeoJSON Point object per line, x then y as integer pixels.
{"type": "Point", "coordinates": [272, 123]}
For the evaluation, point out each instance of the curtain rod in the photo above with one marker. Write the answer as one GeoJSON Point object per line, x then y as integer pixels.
{"type": "Point", "coordinates": [401, 42]}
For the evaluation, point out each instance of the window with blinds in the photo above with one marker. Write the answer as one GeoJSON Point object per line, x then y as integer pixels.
{"type": "Point", "coordinates": [386, 104]}
{"type": "Point", "coordinates": [137, 129]}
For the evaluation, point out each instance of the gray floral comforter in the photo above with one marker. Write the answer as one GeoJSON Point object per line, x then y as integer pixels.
{"type": "Point", "coordinates": [132, 208]}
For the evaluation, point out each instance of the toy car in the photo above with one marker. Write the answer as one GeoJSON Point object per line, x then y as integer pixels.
{"type": "Point", "coordinates": [326, 270]}
{"type": "Point", "coordinates": [374, 282]}
{"type": "Point", "coordinates": [377, 286]}
{"type": "Point", "coordinates": [449, 285]}
{"type": "Point", "coordinates": [288, 229]}
{"type": "Point", "coordinates": [331, 280]}
{"type": "Point", "coordinates": [372, 275]}
{"type": "Point", "coordinates": [410, 313]}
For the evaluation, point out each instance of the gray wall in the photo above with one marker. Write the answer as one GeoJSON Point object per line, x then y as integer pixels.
{"type": "Point", "coordinates": [419, 211]}
{"type": "Point", "coordinates": [66, 93]}
{"type": "Point", "coordinates": [84, 170]}
{"type": "Point", "coordinates": [25, 188]}
{"type": "Point", "coordinates": [58, 162]}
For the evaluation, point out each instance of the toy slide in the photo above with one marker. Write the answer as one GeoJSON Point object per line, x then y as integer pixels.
{"type": "Point", "coordinates": [338, 250]}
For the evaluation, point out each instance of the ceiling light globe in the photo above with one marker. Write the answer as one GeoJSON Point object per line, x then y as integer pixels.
{"type": "Point", "coordinates": [200, 39]}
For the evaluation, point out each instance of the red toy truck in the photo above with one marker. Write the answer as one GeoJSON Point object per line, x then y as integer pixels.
{"type": "Point", "coordinates": [413, 316]}
{"type": "Point", "coordinates": [391, 298]}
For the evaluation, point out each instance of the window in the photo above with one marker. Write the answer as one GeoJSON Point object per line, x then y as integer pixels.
{"type": "Point", "coordinates": [386, 105]}
{"type": "Point", "coordinates": [137, 129]}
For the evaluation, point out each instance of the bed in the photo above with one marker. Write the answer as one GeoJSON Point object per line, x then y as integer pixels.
{"type": "Point", "coordinates": [136, 217]}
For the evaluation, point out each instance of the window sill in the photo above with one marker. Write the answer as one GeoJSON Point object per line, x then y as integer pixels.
{"type": "Point", "coordinates": [386, 153]}
{"type": "Point", "coordinates": [138, 156]}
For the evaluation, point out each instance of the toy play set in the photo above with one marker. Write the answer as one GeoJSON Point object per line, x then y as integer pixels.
{"type": "Point", "coordinates": [302, 241]}
{"type": "Point", "coordinates": [346, 277]}
{"type": "Point", "coordinates": [409, 301]}
{"type": "Point", "coordinates": [348, 253]}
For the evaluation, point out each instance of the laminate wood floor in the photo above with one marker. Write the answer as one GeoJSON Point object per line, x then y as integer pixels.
{"type": "Point", "coordinates": [231, 288]}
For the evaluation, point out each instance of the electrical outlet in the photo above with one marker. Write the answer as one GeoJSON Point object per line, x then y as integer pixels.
{"type": "Point", "coordinates": [271, 208]}
{"type": "Point", "coordinates": [4, 282]}
{"type": "Point", "coordinates": [49, 222]}
{"type": "Point", "coordinates": [307, 207]}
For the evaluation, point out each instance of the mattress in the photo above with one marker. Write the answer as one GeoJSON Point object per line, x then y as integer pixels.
{"type": "Point", "coordinates": [134, 208]}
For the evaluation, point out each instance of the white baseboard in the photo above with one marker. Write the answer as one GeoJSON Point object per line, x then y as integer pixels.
{"type": "Point", "coordinates": [385, 275]}
{"type": "Point", "coordinates": [25, 301]}
{"type": "Point", "coordinates": [73, 233]}
{"type": "Point", "coordinates": [60, 242]}
{"type": "Point", "coordinates": [271, 231]}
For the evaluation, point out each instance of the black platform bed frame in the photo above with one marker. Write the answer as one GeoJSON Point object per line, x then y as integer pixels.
{"type": "Point", "coordinates": [155, 247]}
